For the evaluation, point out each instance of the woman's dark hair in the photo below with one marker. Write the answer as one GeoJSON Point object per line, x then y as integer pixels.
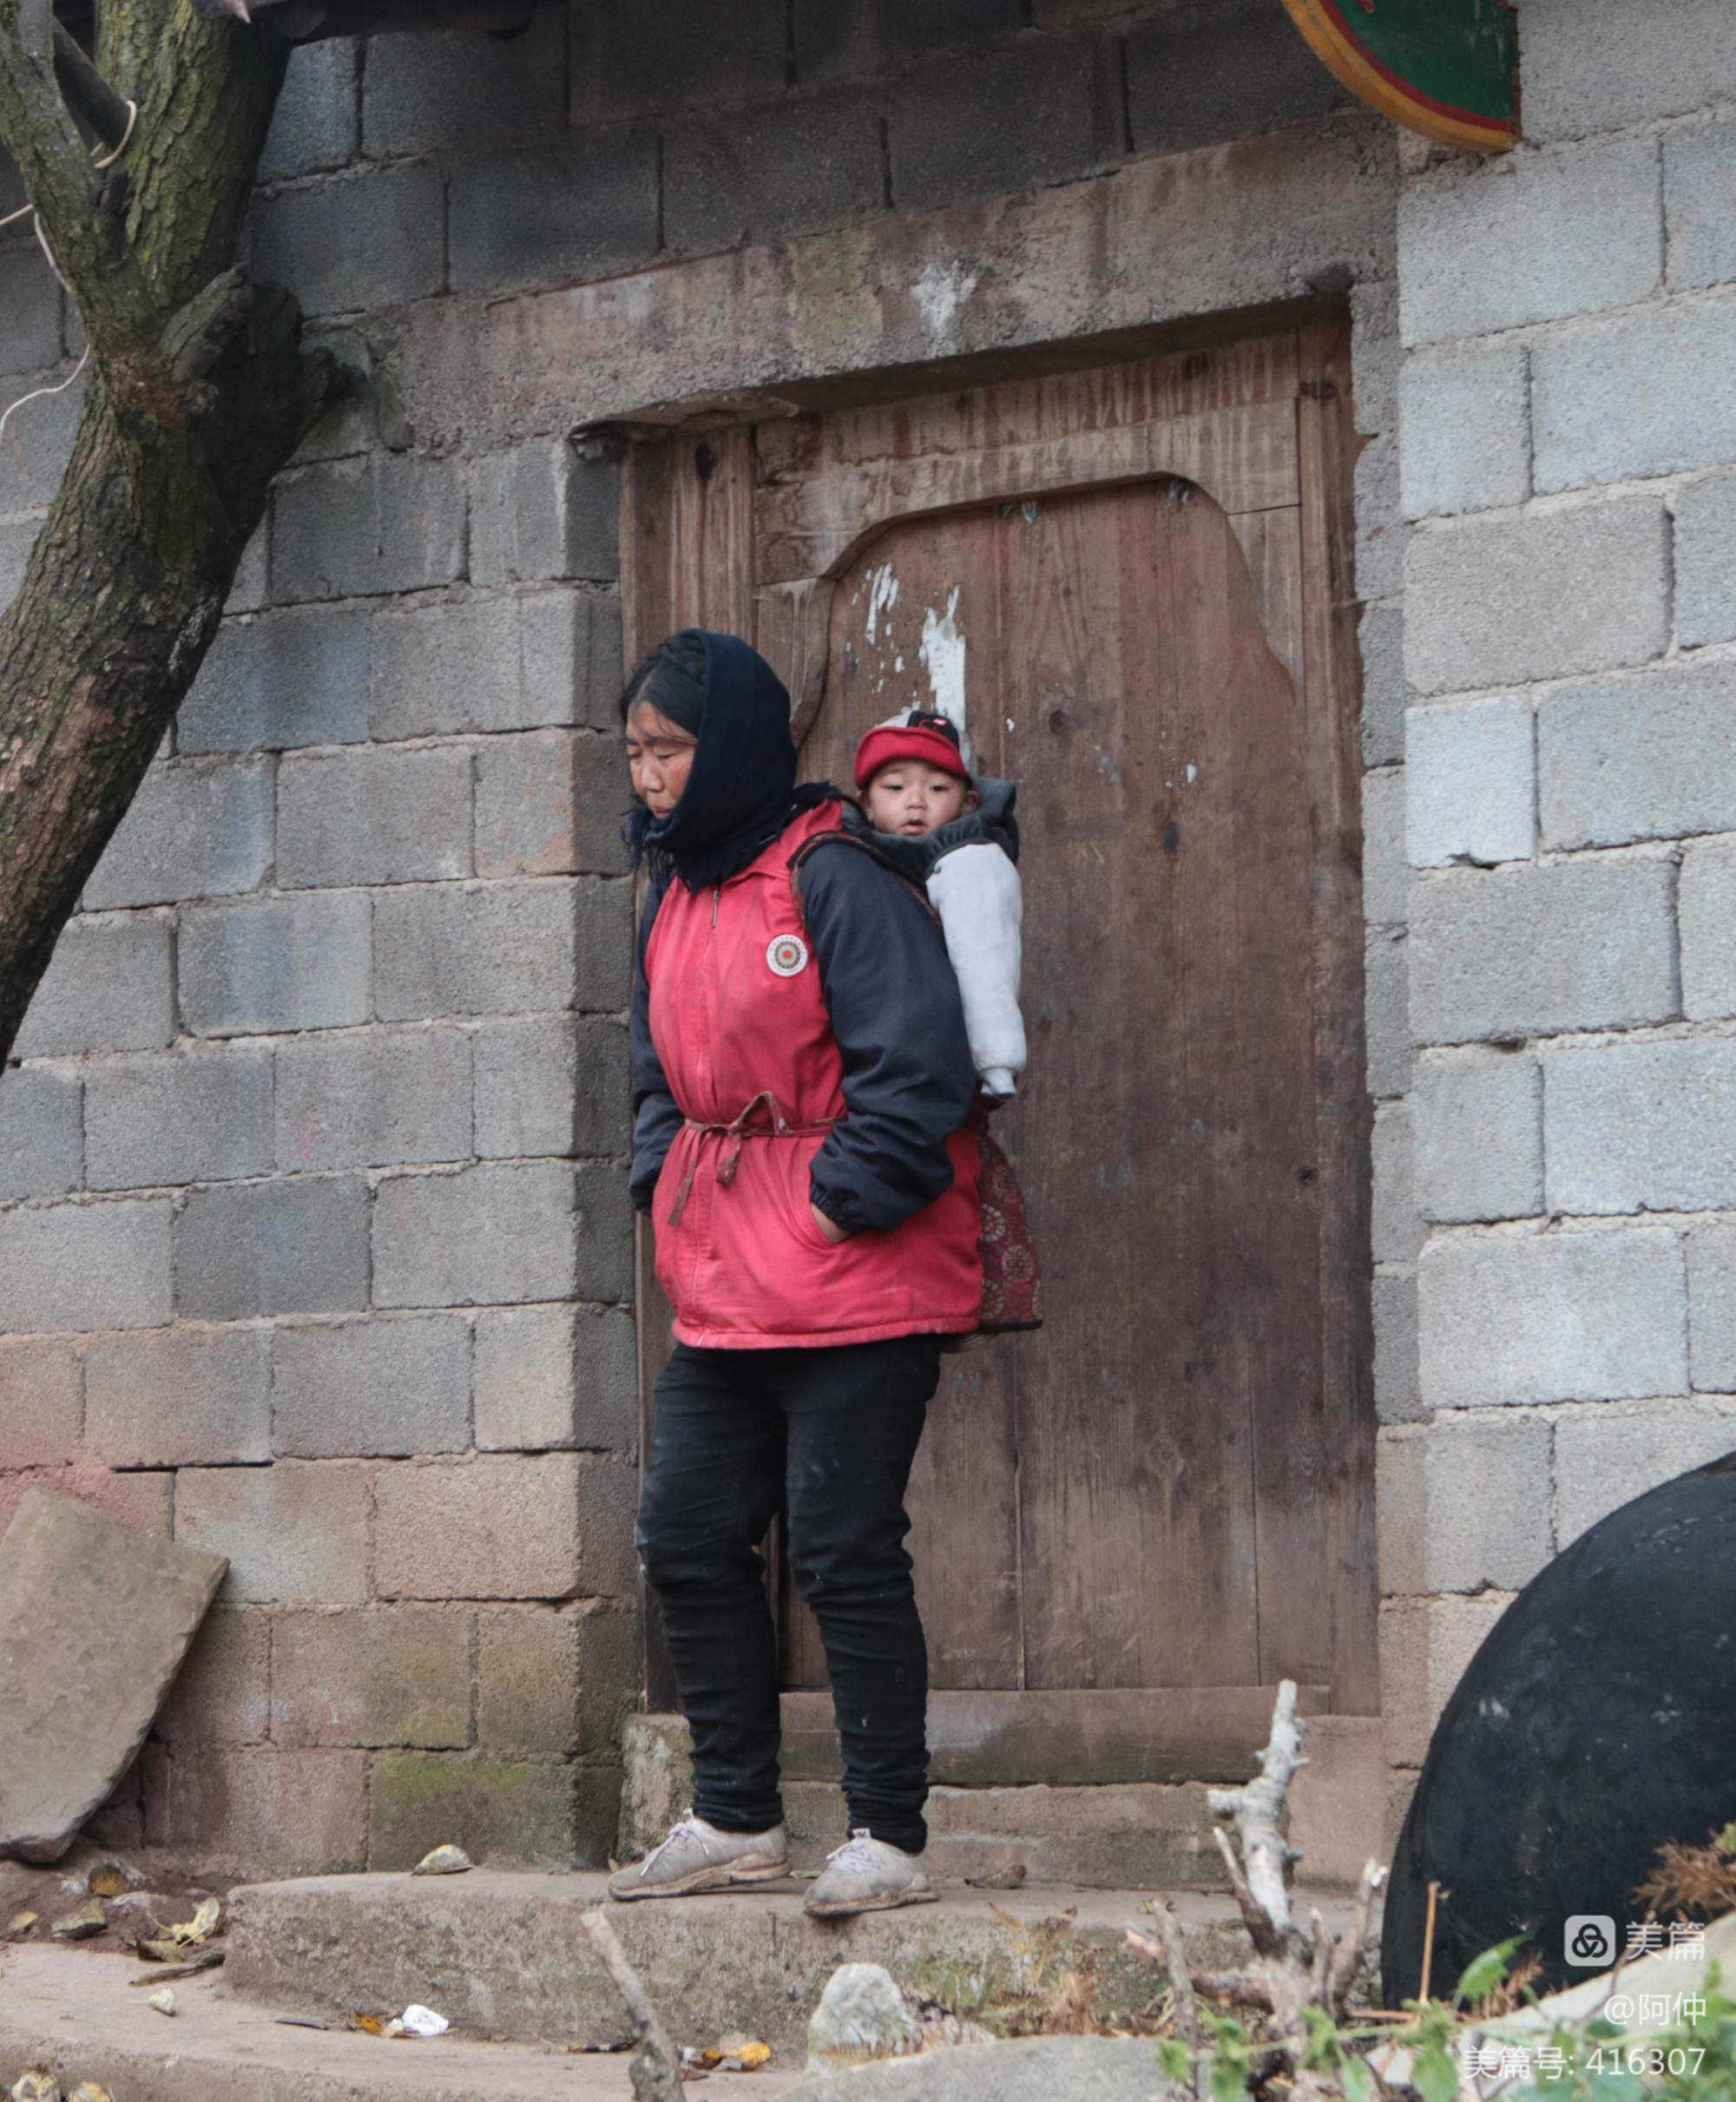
{"type": "Point", "coordinates": [673, 680]}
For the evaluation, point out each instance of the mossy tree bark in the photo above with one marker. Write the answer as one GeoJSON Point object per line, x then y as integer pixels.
{"type": "Point", "coordinates": [200, 392]}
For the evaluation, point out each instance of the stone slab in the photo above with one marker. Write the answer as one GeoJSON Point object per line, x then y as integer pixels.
{"type": "Point", "coordinates": [504, 1951]}
{"type": "Point", "coordinates": [93, 1623]}
{"type": "Point", "coordinates": [1031, 2069]}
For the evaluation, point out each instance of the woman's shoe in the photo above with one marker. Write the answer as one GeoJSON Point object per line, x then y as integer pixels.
{"type": "Point", "coordinates": [867, 1875]}
{"type": "Point", "coordinates": [697, 1856]}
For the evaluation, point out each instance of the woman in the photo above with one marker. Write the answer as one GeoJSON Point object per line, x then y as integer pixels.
{"type": "Point", "coordinates": [801, 1080]}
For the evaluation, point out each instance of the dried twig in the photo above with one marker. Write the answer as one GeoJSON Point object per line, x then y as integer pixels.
{"type": "Point", "coordinates": [1262, 1882]}
{"type": "Point", "coordinates": [656, 2068]}
{"type": "Point", "coordinates": [1349, 1953]}
{"type": "Point", "coordinates": [1429, 1942]}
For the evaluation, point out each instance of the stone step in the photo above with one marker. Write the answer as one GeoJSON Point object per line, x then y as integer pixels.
{"type": "Point", "coordinates": [501, 1953]}
{"type": "Point", "coordinates": [74, 2011]}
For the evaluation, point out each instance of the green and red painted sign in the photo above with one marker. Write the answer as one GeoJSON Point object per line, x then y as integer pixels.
{"type": "Point", "coordinates": [1448, 69]}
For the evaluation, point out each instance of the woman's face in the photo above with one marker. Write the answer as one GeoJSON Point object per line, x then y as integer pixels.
{"type": "Point", "coordinates": [660, 756]}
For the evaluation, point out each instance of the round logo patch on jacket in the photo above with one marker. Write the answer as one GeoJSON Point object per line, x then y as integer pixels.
{"type": "Point", "coordinates": [787, 954]}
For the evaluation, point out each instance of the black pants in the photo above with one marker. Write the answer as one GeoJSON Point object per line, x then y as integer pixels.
{"type": "Point", "coordinates": [826, 1437]}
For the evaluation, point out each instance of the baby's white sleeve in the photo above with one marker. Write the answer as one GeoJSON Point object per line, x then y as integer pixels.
{"type": "Point", "coordinates": [975, 890]}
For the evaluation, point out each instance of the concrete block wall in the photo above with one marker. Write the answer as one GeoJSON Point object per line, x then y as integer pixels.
{"type": "Point", "coordinates": [314, 1244]}
{"type": "Point", "coordinates": [1556, 1160]}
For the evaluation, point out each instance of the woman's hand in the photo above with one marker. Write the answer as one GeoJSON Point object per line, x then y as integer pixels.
{"type": "Point", "coordinates": [831, 1230]}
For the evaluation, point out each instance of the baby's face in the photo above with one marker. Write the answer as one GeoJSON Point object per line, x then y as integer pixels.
{"type": "Point", "coordinates": [914, 798]}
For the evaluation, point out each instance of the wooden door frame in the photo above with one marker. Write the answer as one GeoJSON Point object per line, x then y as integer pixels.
{"type": "Point", "coordinates": [691, 516]}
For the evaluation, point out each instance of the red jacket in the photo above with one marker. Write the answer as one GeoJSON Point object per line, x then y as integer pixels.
{"type": "Point", "coordinates": [739, 1023]}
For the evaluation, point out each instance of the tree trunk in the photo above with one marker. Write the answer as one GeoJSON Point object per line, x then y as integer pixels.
{"type": "Point", "coordinates": [200, 392]}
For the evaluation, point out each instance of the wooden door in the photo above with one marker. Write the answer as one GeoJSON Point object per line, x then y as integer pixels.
{"type": "Point", "coordinates": [1132, 584]}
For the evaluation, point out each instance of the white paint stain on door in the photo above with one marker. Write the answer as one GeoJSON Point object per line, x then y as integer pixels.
{"type": "Point", "coordinates": [943, 654]}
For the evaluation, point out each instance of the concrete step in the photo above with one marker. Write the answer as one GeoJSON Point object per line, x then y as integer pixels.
{"type": "Point", "coordinates": [500, 1954]}
{"type": "Point", "coordinates": [74, 2012]}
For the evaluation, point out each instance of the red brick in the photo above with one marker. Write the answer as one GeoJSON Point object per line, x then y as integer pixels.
{"type": "Point", "coordinates": [386, 1676]}
{"type": "Point", "coordinates": [496, 1527]}
{"type": "Point", "coordinates": [223, 1695]}
{"type": "Point", "coordinates": [252, 1812]}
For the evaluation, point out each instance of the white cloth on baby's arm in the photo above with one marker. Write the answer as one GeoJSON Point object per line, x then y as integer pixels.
{"type": "Point", "coordinates": [976, 891]}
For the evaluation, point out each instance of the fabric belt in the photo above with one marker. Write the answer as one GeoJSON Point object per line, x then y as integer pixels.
{"type": "Point", "coordinates": [740, 1128]}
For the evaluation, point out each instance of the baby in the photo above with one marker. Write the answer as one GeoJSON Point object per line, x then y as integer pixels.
{"type": "Point", "coordinates": [957, 838]}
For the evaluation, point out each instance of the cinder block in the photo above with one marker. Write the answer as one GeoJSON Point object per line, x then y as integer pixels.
{"type": "Point", "coordinates": [833, 43]}
{"type": "Point", "coordinates": [72, 1267]}
{"type": "Point", "coordinates": [494, 1235]}
{"type": "Point", "coordinates": [179, 1397]}
{"type": "Point", "coordinates": [373, 1098]}
{"type": "Point", "coordinates": [1641, 757]}
{"type": "Point", "coordinates": [1386, 878]}
{"type": "Point", "coordinates": [1479, 1122]}
{"type": "Point", "coordinates": [226, 1808]}
{"type": "Point", "coordinates": [1381, 530]}
{"type": "Point", "coordinates": [106, 988]}
{"type": "Point", "coordinates": [29, 303]}
{"type": "Point", "coordinates": [548, 657]}
{"type": "Point", "coordinates": [39, 442]}
{"type": "Point", "coordinates": [528, 1681]}
{"type": "Point", "coordinates": [42, 1402]}
{"type": "Point", "coordinates": [1009, 120]}
{"type": "Point", "coordinates": [491, 1528]}
{"type": "Point", "coordinates": [557, 1377]}
{"type": "Point", "coordinates": [245, 1250]}
{"type": "Point", "coordinates": [1397, 1231]}
{"type": "Point", "coordinates": [1535, 238]}
{"type": "Point", "coordinates": [42, 1134]}
{"type": "Point", "coordinates": [178, 1117]}
{"type": "Point", "coordinates": [1640, 1128]}
{"type": "Point", "coordinates": [603, 964]}
{"type": "Point", "coordinates": [1699, 208]}
{"type": "Point", "coordinates": [1531, 1317]}
{"type": "Point", "coordinates": [540, 510]}
{"type": "Point", "coordinates": [362, 242]}
{"type": "Point", "coordinates": [1706, 561]}
{"type": "Point", "coordinates": [483, 949]}
{"type": "Point", "coordinates": [1376, 353]}
{"type": "Point", "coordinates": [295, 678]}
{"type": "Point", "coordinates": [795, 168]}
{"type": "Point", "coordinates": [1490, 602]}
{"type": "Point", "coordinates": [549, 803]}
{"type": "Point", "coordinates": [348, 529]}
{"type": "Point", "coordinates": [384, 1386]}
{"type": "Point", "coordinates": [552, 1084]}
{"type": "Point", "coordinates": [276, 964]}
{"type": "Point", "coordinates": [1464, 1503]}
{"type": "Point", "coordinates": [453, 92]}
{"type": "Point", "coordinates": [605, 1231]}
{"type": "Point", "coordinates": [1608, 1454]}
{"type": "Point", "coordinates": [294, 1534]}
{"type": "Point", "coordinates": [1498, 954]}
{"type": "Point", "coordinates": [1712, 1308]}
{"type": "Point", "coordinates": [16, 542]}
{"type": "Point", "coordinates": [314, 124]}
{"type": "Point", "coordinates": [1425, 1644]}
{"type": "Point", "coordinates": [251, 589]}
{"type": "Point", "coordinates": [583, 209]}
{"type": "Point", "coordinates": [1595, 65]}
{"type": "Point", "coordinates": [608, 1487]}
{"type": "Point", "coordinates": [1649, 393]}
{"type": "Point", "coordinates": [570, 654]}
{"type": "Point", "coordinates": [1385, 690]}
{"type": "Point", "coordinates": [373, 817]}
{"type": "Point", "coordinates": [632, 60]}
{"type": "Point", "coordinates": [394, 1675]}
{"type": "Point", "coordinates": [1465, 430]}
{"type": "Point", "coordinates": [222, 1693]}
{"type": "Point", "coordinates": [512, 1811]}
{"type": "Point", "coordinates": [1386, 1012]}
{"type": "Point", "coordinates": [1207, 71]}
{"type": "Point", "coordinates": [194, 829]}
{"type": "Point", "coordinates": [1471, 780]}
{"type": "Point", "coordinates": [1708, 920]}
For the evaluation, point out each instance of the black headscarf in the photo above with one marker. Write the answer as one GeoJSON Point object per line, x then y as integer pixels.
{"type": "Point", "coordinates": [742, 792]}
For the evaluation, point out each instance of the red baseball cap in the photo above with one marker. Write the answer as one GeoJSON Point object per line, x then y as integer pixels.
{"type": "Point", "coordinates": [932, 738]}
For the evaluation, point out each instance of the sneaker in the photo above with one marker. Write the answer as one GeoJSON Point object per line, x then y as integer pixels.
{"type": "Point", "coordinates": [697, 1856]}
{"type": "Point", "coordinates": [866, 1874]}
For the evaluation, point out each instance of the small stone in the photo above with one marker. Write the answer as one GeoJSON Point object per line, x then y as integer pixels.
{"type": "Point", "coordinates": [36, 2087]}
{"type": "Point", "coordinates": [111, 1879]}
{"type": "Point", "coordinates": [163, 2001]}
{"type": "Point", "coordinates": [78, 1926]}
{"type": "Point", "coordinates": [862, 2016]}
{"type": "Point", "coordinates": [88, 2091]}
{"type": "Point", "coordinates": [22, 1922]}
{"type": "Point", "coordinates": [443, 1861]}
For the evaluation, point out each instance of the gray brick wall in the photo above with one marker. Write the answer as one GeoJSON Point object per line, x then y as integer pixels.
{"type": "Point", "coordinates": [1567, 430]}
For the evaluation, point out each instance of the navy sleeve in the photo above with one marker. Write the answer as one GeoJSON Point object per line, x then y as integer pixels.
{"type": "Point", "coordinates": [899, 1021]}
{"type": "Point", "coordinates": [655, 1117]}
